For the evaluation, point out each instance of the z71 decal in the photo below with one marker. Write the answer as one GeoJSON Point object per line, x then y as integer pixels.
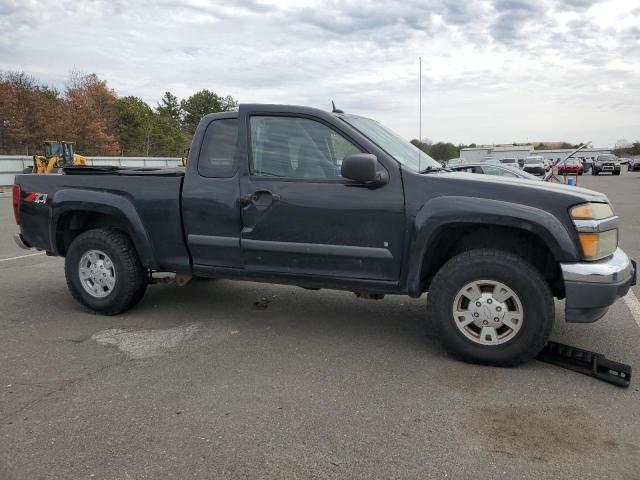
{"type": "Point", "coordinates": [35, 197]}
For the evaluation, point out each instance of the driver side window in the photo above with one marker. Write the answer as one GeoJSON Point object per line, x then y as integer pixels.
{"type": "Point", "coordinates": [294, 147]}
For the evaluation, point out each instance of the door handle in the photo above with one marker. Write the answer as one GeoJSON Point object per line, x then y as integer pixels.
{"type": "Point", "coordinates": [260, 198]}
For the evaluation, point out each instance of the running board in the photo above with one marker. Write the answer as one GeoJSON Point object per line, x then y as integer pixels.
{"type": "Point", "coordinates": [588, 363]}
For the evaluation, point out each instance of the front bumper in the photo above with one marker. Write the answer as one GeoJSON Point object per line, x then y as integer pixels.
{"type": "Point", "coordinates": [535, 170]}
{"type": "Point", "coordinates": [592, 287]}
{"type": "Point", "coordinates": [608, 168]}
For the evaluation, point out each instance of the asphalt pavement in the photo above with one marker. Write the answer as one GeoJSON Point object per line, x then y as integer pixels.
{"type": "Point", "coordinates": [222, 379]}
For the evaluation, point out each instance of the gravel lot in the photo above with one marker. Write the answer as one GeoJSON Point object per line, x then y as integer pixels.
{"type": "Point", "coordinates": [229, 379]}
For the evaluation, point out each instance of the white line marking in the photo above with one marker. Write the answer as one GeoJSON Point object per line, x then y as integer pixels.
{"type": "Point", "coordinates": [633, 304]}
{"type": "Point", "coordinates": [29, 255]}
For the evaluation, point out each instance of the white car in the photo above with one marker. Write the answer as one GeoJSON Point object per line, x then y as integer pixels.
{"type": "Point", "coordinates": [534, 165]}
{"type": "Point", "coordinates": [510, 162]}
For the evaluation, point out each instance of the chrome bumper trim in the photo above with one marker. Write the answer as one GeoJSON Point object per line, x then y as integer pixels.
{"type": "Point", "coordinates": [614, 269]}
{"type": "Point", "coordinates": [595, 226]}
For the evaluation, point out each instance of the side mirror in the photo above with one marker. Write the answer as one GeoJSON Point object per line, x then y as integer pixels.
{"type": "Point", "coordinates": [363, 167]}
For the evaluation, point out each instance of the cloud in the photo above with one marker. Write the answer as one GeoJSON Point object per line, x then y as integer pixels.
{"type": "Point", "coordinates": [498, 70]}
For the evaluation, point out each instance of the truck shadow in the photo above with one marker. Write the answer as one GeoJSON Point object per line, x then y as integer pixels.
{"type": "Point", "coordinates": [291, 310]}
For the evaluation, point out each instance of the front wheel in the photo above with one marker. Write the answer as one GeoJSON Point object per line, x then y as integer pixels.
{"type": "Point", "coordinates": [594, 172]}
{"type": "Point", "coordinates": [491, 307]}
{"type": "Point", "coordinates": [104, 272]}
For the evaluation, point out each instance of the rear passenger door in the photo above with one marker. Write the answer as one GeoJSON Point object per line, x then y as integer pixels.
{"type": "Point", "coordinates": [210, 209]}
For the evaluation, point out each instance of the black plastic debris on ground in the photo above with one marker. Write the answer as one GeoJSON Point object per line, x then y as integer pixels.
{"type": "Point", "coordinates": [588, 363]}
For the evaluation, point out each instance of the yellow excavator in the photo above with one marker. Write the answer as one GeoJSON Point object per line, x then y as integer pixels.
{"type": "Point", "coordinates": [56, 155]}
{"type": "Point", "coordinates": [185, 157]}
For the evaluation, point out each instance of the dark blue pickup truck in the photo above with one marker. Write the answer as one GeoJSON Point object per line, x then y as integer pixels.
{"type": "Point", "coordinates": [300, 196]}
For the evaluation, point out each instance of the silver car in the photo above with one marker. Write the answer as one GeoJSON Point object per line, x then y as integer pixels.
{"type": "Point", "coordinates": [492, 169]}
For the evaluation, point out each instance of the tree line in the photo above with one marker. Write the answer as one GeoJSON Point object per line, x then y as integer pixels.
{"type": "Point", "coordinates": [632, 150]}
{"type": "Point", "coordinates": [93, 116]}
{"type": "Point", "coordinates": [441, 151]}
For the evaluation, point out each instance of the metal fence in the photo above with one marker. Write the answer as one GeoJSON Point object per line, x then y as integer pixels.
{"type": "Point", "coordinates": [10, 165]}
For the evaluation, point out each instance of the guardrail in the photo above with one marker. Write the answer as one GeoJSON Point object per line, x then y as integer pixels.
{"type": "Point", "coordinates": [10, 165]}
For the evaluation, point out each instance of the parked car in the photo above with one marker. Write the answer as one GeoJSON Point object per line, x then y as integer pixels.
{"type": "Point", "coordinates": [571, 166]}
{"type": "Point", "coordinates": [498, 170]}
{"type": "Point", "coordinates": [510, 162]}
{"type": "Point", "coordinates": [606, 163]}
{"type": "Point", "coordinates": [633, 165]}
{"type": "Point", "coordinates": [534, 165]}
{"type": "Point", "coordinates": [300, 196]}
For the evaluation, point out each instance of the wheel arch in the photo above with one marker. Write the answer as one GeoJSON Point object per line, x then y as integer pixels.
{"type": "Point", "coordinates": [447, 226]}
{"type": "Point", "coordinates": [76, 211]}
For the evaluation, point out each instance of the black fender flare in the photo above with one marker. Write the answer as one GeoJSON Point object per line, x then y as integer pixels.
{"type": "Point", "coordinates": [67, 201]}
{"type": "Point", "coordinates": [444, 211]}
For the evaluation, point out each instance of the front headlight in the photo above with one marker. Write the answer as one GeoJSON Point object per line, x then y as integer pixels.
{"type": "Point", "coordinates": [594, 224]}
{"type": "Point", "coordinates": [591, 211]}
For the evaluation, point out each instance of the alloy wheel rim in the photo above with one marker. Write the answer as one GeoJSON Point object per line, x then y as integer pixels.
{"type": "Point", "coordinates": [97, 273]}
{"type": "Point", "coordinates": [488, 312]}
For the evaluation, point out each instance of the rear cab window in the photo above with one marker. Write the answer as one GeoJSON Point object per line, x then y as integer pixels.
{"type": "Point", "coordinates": [218, 152]}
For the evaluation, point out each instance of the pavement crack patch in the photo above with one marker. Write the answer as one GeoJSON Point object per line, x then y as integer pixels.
{"type": "Point", "coordinates": [145, 343]}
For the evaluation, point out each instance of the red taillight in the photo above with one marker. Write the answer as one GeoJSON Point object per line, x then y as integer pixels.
{"type": "Point", "coordinates": [16, 203]}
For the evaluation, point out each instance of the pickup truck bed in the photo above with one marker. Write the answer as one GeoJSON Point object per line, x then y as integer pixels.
{"type": "Point", "coordinates": [146, 201]}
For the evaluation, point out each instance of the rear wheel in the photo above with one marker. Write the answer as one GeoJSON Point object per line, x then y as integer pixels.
{"type": "Point", "coordinates": [594, 172]}
{"type": "Point", "coordinates": [491, 307]}
{"type": "Point", "coordinates": [103, 271]}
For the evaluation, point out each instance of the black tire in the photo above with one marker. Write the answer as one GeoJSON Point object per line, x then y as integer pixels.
{"type": "Point", "coordinates": [514, 272]}
{"type": "Point", "coordinates": [617, 172]}
{"type": "Point", "coordinates": [130, 275]}
{"type": "Point", "coordinates": [594, 172]}
{"type": "Point", "coordinates": [27, 170]}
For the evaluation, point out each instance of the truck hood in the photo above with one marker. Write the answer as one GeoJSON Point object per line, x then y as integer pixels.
{"type": "Point", "coordinates": [495, 184]}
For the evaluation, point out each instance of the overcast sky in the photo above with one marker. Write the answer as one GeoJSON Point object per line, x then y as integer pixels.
{"type": "Point", "coordinates": [495, 71]}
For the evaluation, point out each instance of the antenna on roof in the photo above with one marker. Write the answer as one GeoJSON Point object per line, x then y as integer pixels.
{"type": "Point", "coordinates": [334, 109]}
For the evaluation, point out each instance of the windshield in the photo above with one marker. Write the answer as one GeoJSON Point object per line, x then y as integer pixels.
{"type": "Point", "coordinates": [606, 156]}
{"type": "Point", "coordinates": [392, 143]}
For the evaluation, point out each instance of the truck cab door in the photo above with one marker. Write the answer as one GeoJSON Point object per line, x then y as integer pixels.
{"type": "Point", "coordinates": [301, 217]}
{"type": "Point", "coordinates": [210, 209]}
